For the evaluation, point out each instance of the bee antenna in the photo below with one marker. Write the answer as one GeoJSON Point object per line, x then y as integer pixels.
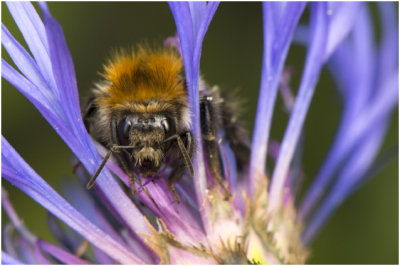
{"type": "Point", "coordinates": [185, 155]}
{"type": "Point", "coordinates": [98, 171]}
{"type": "Point", "coordinates": [114, 148]}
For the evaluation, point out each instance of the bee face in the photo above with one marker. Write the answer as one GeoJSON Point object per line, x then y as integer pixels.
{"type": "Point", "coordinates": [146, 133]}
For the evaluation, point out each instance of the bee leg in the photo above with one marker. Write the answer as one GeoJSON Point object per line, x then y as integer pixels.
{"type": "Point", "coordinates": [209, 129]}
{"type": "Point", "coordinates": [132, 177]}
{"type": "Point", "coordinates": [134, 190]}
{"type": "Point", "coordinates": [178, 170]}
{"type": "Point", "coordinates": [176, 174]}
{"type": "Point", "coordinates": [214, 163]}
{"type": "Point", "coordinates": [132, 181]}
{"type": "Point", "coordinates": [235, 132]}
{"type": "Point", "coordinates": [123, 156]}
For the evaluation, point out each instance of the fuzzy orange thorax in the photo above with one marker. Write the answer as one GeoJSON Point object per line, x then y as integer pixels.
{"type": "Point", "coordinates": [142, 76]}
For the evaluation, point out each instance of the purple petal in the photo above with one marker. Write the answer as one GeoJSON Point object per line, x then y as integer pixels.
{"type": "Point", "coordinates": [42, 259]}
{"type": "Point", "coordinates": [101, 216]}
{"type": "Point", "coordinates": [364, 56]}
{"type": "Point", "coordinates": [196, 11]}
{"type": "Point", "coordinates": [199, 179]}
{"type": "Point", "coordinates": [229, 162]}
{"type": "Point", "coordinates": [388, 51]}
{"type": "Point", "coordinates": [60, 254]}
{"type": "Point", "coordinates": [26, 87]}
{"type": "Point", "coordinates": [80, 200]}
{"type": "Point", "coordinates": [184, 26]}
{"type": "Point", "coordinates": [17, 172]}
{"type": "Point", "coordinates": [342, 18]}
{"type": "Point", "coordinates": [132, 219]}
{"type": "Point", "coordinates": [22, 59]}
{"type": "Point", "coordinates": [28, 253]}
{"type": "Point", "coordinates": [7, 259]}
{"type": "Point", "coordinates": [63, 71]}
{"type": "Point", "coordinates": [272, 66]}
{"type": "Point", "coordinates": [32, 29]}
{"type": "Point", "coordinates": [285, 30]}
{"type": "Point", "coordinates": [206, 13]}
{"type": "Point", "coordinates": [102, 258]}
{"type": "Point", "coordinates": [17, 222]}
{"type": "Point", "coordinates": [173, 41]}
{"type": "Point", "coordinates": [367, 101]}
{"type": "Point", "coordinates": [8, 237]}
{"type": "Point", "coordinates": [319, 28]}
{"type": "Point", "coordinates": [343, 15]}
{"type": "Point", "coordinates": [64, 235]}
{"type": "Point", "coordinates": [266, 100]}
{"type": "Point", "coordinates": [178, 217]}
{"type": "Point", "coordinates": [353, 171]}
{"type": "Point", "coordinates": [70, 240]}
{"type": "Point", "coordinates": [341, 68]}
{"type": "Point", "coordinates": [31, 92]}
{"type": "Point", "coordinates": [355, 135]}
{"type": "Point", "coordinates": [69, 124]}
{"type": "Point", "coordinates": [192, 21]}
{"type": "Point", "coordinates": [278, 13]}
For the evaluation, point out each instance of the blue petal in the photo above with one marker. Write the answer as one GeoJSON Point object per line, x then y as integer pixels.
{"type": "Point", "coordinates": [184, 26]}
{"type": "Point", "coordinates": [60, 254]}
{"type": "Point", "coordinates": [67, 120]}
{"type": "Point", "coordinates": [342, 19]}
{"type": "Point", "coordinates": [65, 236]}
{"type": "Point", "coordinates": [364, 56]}
{"type": "Point", "coordinates": [353, 170]}
{"type": "Point", "coordinates": [353, 138]}
{"type": "Point", "coordinates": [314, 60]}
{"type": "Point", "coordinates": [366, 103]}
{"type": "Point", "coordinates": [32, 29]}
{"type": "Point", "coordinates": [80, 199]}
{"type": "Point", "coordinates": [16, 221]}
{"type": "Point", "coordinates": [192, 21]}
{"type": "Point", "coordinates": [343, 15]}
{"type": "Point", "coordinates": [179, 218]}
{"type": "Point", "coordinates": [388, 51]}
{"type": "Point", "coordinates": [196, 11]}
{"type": "Point", "coordinates": [22, 58]}
{"type": "Point", "coordinates": [207, 14]}
{"type": "Point", "coordinates": [276, 46]}
{"type": "Point", "coordinates": [17, 172]}
{"type": "Point", "coordinates": [34, 94]}
{"type": "Point", "coordinates": [7, 259]}
{"type": "Point", "coordinates": [285, 29]}
{"type": "Point", "coordinates": [63, 71]}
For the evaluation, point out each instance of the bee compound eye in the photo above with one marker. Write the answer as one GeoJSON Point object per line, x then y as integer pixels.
{"type": "Point", "coordinates": [165, 125]}
{"type": "Point", "coordinates": [124, 129]}
{"type": "Point", "coordinates": [127, 128]}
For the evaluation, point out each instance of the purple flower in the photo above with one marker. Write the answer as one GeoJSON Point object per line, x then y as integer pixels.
{"type": "Point", "coordinates": [261, 222]}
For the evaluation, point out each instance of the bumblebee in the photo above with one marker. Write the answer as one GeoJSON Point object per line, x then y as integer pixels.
{"type": "Point", "coordinates": [140, 112]}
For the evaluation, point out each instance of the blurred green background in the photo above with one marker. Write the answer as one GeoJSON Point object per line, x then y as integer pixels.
{"type": "Point", "coordinates": [363, 231]}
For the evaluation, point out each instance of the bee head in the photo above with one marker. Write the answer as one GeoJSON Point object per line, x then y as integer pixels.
{"type": "Point", "coordinates": [146, 132]}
